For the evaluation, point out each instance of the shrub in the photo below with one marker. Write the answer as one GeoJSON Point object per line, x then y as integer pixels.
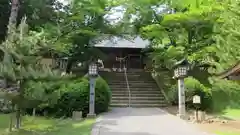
{"type": "Point", "coordinates": [165, 83]}
{"type": "Point", "coordinates": [41, 95]}
{"type": "Point", "coordinates": [192, 87]}
{"type": "Point", "coordinates": [103, 95]}
{"type": "Point", "coordinates": [75, 97]}
{"type": "Point", "coordinates": [5, 106]}
{"type": "Point", "coordinates": [226, 94]}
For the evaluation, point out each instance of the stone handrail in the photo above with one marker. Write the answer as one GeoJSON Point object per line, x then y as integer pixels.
{"type": "Point", "coordinates": [129, 92]}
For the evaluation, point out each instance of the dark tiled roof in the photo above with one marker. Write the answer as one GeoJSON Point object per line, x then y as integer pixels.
{"type": "Point", "coordinates": [117, 42]}
{"type": "Point", "coordinates": [231, 71]}
{"type": "Point", "coordinates": [12, 88]}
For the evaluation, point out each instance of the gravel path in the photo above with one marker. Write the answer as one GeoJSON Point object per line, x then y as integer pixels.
{"type": "Point", "coordinates": [142, 121]}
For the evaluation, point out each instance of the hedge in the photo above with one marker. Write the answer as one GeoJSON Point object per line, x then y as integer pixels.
{"type": "Point", "coordinates": [74, 96]}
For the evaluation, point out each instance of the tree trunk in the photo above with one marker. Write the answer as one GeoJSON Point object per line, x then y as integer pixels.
{"type": "Point", "coordinates": [18, 117]}
{"type": "Point", "coordinates": [13, 16]}
{"type": "Point", "coordinates": [69, 66]}
{"type": "Point", "coordinates": [11, 118]}
{"type": "Point", "coordinates": [34, 112]}
{"type": "Point", "coordinates": [10, 122]}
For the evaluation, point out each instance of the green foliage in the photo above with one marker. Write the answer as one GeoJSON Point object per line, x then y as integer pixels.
{"type": "Point", "coordinates": [227, 36]}
{"type": "Point", "coordinates": [185, 32]}
{"type": "Point", "coordinates": [166, 58]}
{"type": "Point", "coordinates": [71, 95]}
{"type": "Point", "coordinates": [42, 93]}
{"type": "Point", "coordinates": [20, 58]}
{"type": "Point", "coordinates": [192, 87]}
{"type": "Point", "coordinates": [38, 13]}
{"type": "Point", "coordinates": [83, 24]}
{"type": "Point", "coordinates": [203, 31]}
{"type": "Point", "coordinates": [206, 32]}
{"type": "Point", "coordinates": [20, 63]}
{"type": "Point", "coordinates": [226, 94]}
{"type": "Point", "coordinates": [76, 97]}
{"type": "Point", "coordinates": [103, 95]}
{"type": "Point", "coordinates": [5, 106]}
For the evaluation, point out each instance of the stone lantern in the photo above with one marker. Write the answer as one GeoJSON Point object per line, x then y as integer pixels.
{"type": "Point", "coordinates": [180, 72]}
{"type": "Point", "coordinates": [93, 73]}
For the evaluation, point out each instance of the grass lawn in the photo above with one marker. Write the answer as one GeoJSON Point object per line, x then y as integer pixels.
{"type": "Point", "coordinates": [232, 114]}
{"type": "Point", "coordinates": [47, 126]}
{"type": "Point", "coordinates": [228, 133]}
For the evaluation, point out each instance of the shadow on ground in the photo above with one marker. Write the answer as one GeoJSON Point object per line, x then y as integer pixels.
{"type": "Point", "coordinates": [122, 112]}
{"type": "Point", "coordinates": [107, 128]}
{"type": "Point", "coordinates": [142, 121]}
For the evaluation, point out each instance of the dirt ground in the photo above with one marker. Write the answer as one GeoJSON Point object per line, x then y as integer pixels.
{"type": "Point", "coordinates": [230, 126]}
{"type": "Point", "coordinates": [212, 124]}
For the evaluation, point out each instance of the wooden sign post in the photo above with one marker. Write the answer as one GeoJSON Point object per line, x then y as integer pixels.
{"type": "Point", "coordinates": [196, 102]}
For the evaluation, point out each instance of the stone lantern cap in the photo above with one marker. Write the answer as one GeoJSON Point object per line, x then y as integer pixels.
{"type": "Point", "coordinates": [182, 62]}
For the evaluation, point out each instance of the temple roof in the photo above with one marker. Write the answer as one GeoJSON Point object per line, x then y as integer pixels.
{"type": "Point", "coordinates": [235, 70]}
{"type": "Point", "coordinates": [118, 42]}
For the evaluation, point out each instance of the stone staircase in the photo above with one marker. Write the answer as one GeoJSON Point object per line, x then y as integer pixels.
{"type": "Point", "coordinates": [144, 91]}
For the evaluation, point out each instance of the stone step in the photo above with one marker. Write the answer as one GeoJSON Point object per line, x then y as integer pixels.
{"type": "Point", "coordinates": [138, 98]}
{"type": "Point", "coordinates": [137, 105]}
{"type": "Point", "coordinates": [137, 81]}
{"type": "Point", "coordinates": [132, 86]}
{"type": "Point", "coordinates": [144, 91]}
{"type": "Point", "coordinates": [116, 93]}
{"type": "Point", "coordinates": [137, 85]}
{"type": "Point", "coordinates": [133, 82]}
{"type": "Point", "coordinates": [134, 101]}
{"type": "Point", "coordinates": [128, 74]}
{"type": "Point", "coordinates": [128, 71]}
{"type": "Point", "coordinates": [148, 105]}
{"type": "Point", "coordinates": [129, 79]}
{"type": "Point", "coordinates": [119, 105]}
{"type": "Point", "coordinates": [123, 75]}
{"type": "Point", "coordinates": [136, 94]}
{"type": "Point", "coordinates": [133, 89]}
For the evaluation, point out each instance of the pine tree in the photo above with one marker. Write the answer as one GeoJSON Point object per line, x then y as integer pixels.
{"type": "Point", "coordinates": [20, 63]}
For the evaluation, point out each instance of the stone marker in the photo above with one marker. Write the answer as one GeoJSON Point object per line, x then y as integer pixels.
{"type": "Point", "coordinates": [202, 115]}
{"type": "Point", "coordinates": [76, 115]}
